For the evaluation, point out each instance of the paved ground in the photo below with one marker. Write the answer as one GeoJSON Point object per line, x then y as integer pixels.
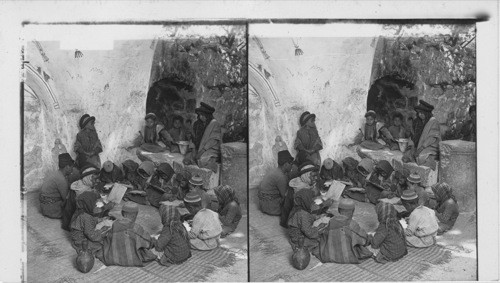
{"type": "Point", "coordinates": [50, 257]}
{"type": "Point", "coordinates": [454, 258]}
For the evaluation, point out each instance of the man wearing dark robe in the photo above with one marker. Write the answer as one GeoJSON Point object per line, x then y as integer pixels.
{"type": "Point", "coordinates": [55, 188]}
{"type": "Point", "coordinates": [274, 185]}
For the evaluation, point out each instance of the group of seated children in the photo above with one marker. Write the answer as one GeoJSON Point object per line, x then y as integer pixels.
{"type": "Point", "coordinates": [202, 141]}
{"type": "Point", "coordinates": [422, 138]}
{"type": "Point", "coordinates": [77, 193]}
{"type": "Point", "coordinates": [297, 191]}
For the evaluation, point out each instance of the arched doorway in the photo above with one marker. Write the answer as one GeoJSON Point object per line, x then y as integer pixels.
{"type": "Point", "coordinates": [390, 94]}
{"type": "Point", "coordinates": [169, 97]}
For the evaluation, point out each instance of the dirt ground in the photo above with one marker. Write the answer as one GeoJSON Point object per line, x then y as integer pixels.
{"type": "Point", "coordinates": [50, 257]}
{"type": "Point", "coordinates": [458, 260]}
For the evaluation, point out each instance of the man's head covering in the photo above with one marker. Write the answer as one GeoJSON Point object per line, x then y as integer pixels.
{"type": "Point", "coordinates": [284, 156]}
{"type": "Point", "coordinates": [130, 207]}
{"type": "Point", "coordinates": [371, 113]}
{"type": "Point", "coordinates": [385, 166]}
{"type": "Point", "coordinates": [86, 175]}
{"type": "Point", "coordinates": [151, 116]}
{"type": "Point", "coordinates": [168, 213]}
{"type": "Point", "coordinates": [424, 106]}
{"type": "Point", "coordinates": [328, 163]}
{"type": "Point", "coordinates": [196, 180]}
{"type": "Point", "coordinates": [108, 166]}
{"type": "Point", "coordinates": [146, 169]}
{"type": "Point", "coordinates": [205, 108]}
{"type": "Point", "coordinates": [84, 116]}
{"type": "Point", "coordinates": [409, 195]}
{"type": "Point", "coordinates": [306, 116]}
{"type": "Point", "coordinates": [365, 166]}
{"type": "Point", "coordinates": [89, 169]}
{"type": "Point", "coordinates": [443, 192]}
{"type": "Point", "coordinates": [346, 203]}
{"type": "Point", "coordinates": [86, 120]}
{"type": "Point", "coordinates": [414, 178]}
{"type": "Point", "coordinates": [165, 171]}
{"type": "Point", "coordinates": [307, 166]}
{"type": "Point", "coordinates": [65, 160]}
{"type": "Point", "coordinates": [192, 197]}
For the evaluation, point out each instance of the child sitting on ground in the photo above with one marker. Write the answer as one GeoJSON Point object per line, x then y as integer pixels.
{"type": "Point", "coordinates": [397, 131]}
{"type": "Point", "coordinates": [172, 246]}
{"type": "Point", "coordinates": [389, 237]}
{"type": "Point", "coordinates": [331, 170]}
{"type": "Point", "coordinates": [177, 132]}
{"type": "Point", "coordinates": [372, 133]}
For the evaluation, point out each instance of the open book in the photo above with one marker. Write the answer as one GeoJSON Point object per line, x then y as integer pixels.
{"type": "Point", "coordinates": [117, 193]}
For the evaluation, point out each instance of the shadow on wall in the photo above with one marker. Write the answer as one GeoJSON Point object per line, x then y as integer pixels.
{"type": "Point", "coordinates": [391, 94]}
{"type": "Point", "coordinates": [187, 71]}
{"type": "Point", "coordinates": [170, 97]}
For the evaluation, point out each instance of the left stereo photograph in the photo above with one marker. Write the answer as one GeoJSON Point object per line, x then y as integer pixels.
{"type": "Point", "coordinates": [134, 152]}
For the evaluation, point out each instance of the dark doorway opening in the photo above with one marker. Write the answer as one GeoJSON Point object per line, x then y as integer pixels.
{"type": "Point", "coordinates": [169, 97]}
{"type": "Point", "coordinates": [390, 94]}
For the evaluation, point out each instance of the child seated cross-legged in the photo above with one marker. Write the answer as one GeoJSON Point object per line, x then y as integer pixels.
{"type": "Point", "coordinates": [372, 133]}
{"type": "Point", "coordinates": [389, 238]}
{"type": "Point", "coordinates": [172, 246]}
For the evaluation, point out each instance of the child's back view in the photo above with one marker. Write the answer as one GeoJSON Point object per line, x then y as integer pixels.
{"type": "Point", "coordinates": [173, 240]}
{"type": "Point", "coordinates": [390, 236]}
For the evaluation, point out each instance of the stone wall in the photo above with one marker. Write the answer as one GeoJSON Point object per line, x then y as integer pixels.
{"type": "Point", "coordinates": [441, 67]}
{"type": "Point", "coordinates": [215, 70]}
{"type": "Point", "coordinates": [109, 84]}
{"type": "Point", "coordinates": [331, 79]}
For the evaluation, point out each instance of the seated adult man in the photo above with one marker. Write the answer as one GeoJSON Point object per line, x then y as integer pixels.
{"type": "Point", "coordinates": [273, 186]}
{"type": "Point", "coordinates": [207, 138]}
{"type": "Point", "coordinates": [127, 243]}
{"type": "Point", "coordinates": [422, 223]}
{"type": "Point", "coordinates": [55, 188]}
{"type": "Point", "coordinates": [345, 241]}
{"type": "Point", "coordinates": [206, 228]}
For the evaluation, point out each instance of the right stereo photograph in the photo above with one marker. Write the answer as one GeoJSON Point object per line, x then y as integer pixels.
{"type": "Point", "coordinates": [362, 151]}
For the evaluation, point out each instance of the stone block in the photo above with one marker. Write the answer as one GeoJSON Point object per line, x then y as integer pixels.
{"type": "Point", "coordinates": [429, 176]}
{"type": "Point", "coordinates": [377, 155]}
{"type": "Point", "coordinates": [160, 157]}
{"type": "Point", "coordinates": [458, 167]}
{"type": "Point", "coordinates": [234, 168]}
{"type": "Point", "coordinates": [210, 179]}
